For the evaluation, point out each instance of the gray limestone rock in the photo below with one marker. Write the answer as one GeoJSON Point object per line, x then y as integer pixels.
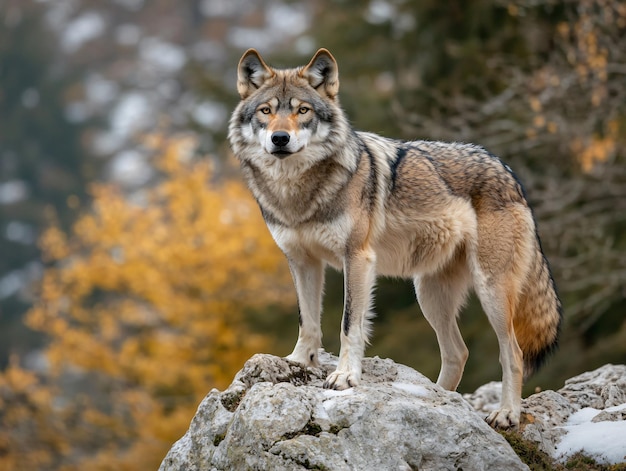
{"type": "Point", "coordinates": [276, 416]}
{"type": "Point", "coordinates": [545, 414]}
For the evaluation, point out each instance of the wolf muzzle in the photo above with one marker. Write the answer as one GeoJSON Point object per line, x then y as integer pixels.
{"type": "Point", "coordinates": [281, 139]}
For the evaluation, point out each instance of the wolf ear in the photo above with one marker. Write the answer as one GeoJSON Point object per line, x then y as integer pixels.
{"type": "Point", "coordinates": [322, 73]}
{"type": "Point", "coordinates": [252, 72]}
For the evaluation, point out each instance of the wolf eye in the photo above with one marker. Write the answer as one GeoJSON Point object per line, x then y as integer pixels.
{"type": "Point", "coordinates": [303, 110]}
{"type": "Point", "coordinates": [265, 110]}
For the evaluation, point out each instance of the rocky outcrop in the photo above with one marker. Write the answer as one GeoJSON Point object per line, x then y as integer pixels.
{"type": "Point", "coordinates": [552, 419]}
{"type": "Point", "coordinates": [276, 415]}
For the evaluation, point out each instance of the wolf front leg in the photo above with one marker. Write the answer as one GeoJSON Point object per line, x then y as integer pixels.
{"type": "Point", "coordinates": [308, 278]}
{"type": "Point", "coordinates": [359, 279]}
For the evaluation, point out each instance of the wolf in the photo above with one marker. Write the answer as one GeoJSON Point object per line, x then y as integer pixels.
{"type": "Point", "coordinates": [448, 216]}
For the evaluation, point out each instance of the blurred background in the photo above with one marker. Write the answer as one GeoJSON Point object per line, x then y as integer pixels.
{"type": "Point", "coordinates": [135, 270]}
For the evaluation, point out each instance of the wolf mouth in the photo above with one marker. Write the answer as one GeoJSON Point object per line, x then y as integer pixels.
{"type": "Point", "coordinates": [281, 154]}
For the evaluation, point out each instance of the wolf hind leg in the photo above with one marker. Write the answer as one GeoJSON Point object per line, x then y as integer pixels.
{"type": "Point", "coordinates": [500, 264]}
{"type": "Point", "coordinates": [440, 297]}
{"type": "Point", "coordinates": [308, 277]}
{"type": "Point", "coordinates": [498, 300]}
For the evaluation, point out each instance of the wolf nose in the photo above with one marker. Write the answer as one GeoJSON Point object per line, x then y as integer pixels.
{"type": "Point", "coordinates": [280, 138]}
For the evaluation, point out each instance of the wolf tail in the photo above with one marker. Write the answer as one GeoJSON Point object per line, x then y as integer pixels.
{"type": "Point", "coordinates": [537, 322]}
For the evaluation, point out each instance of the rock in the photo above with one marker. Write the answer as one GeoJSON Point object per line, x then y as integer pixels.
{"type": "Point", "coordinates": [486, 398]}
{"type": "Point", "coordinates": [276, 415]}
{"type": "Point", "coordinates": [601, 388]}
{"type": "Point", "coordinates": [549, 416]}
{"type": "Point", "coordinates": [548, 413]}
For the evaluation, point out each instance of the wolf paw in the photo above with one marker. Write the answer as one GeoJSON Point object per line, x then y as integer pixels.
{"type": "Point", "coordinates": [503, 419]}
{"type": "Point", "coordinates": [309, 359]}
{"type": "Point", "coordinates": [341, 380]}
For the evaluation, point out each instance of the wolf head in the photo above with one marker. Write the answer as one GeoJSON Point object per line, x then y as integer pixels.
{"type": "Point", "coordinates": [287, 115]}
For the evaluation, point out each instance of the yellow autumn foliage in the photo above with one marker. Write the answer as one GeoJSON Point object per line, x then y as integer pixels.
{"type": "Point", "coordinates": [25, 406]}
{"type": "Point", "coordinates": [596, 149]}
{"type": "Point", "coordinates": [143, 306]}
